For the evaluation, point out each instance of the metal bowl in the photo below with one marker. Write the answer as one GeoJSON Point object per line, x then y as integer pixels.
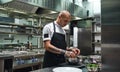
{"type": "Point", "coordinates": [73, 60]}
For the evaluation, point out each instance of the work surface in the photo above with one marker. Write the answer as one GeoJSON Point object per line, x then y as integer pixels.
{"type": "Point", "coordinates": [50, 69]}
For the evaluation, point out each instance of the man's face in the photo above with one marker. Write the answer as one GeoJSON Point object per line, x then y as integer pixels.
{"type": "Point", "coordinates": [64, 21]}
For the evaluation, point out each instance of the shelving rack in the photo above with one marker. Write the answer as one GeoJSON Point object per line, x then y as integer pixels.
{"type": "Point", "coordinates": [15, 26]}
{"type": "Point", "coordinates": [96, 35]}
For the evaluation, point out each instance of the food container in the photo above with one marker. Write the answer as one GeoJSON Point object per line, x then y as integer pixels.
{"type": "Point", "coordinates": [73, 61]}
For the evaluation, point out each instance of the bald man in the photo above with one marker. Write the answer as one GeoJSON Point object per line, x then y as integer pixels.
{"type": "Point", "coordinates": [54, 41]}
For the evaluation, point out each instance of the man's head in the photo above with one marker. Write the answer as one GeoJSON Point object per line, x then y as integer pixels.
{"type": "Point", "coordinates": [63, 18]}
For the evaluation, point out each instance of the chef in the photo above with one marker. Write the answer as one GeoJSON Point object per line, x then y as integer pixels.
{"type": "Point", "coordinates": [54, 40]}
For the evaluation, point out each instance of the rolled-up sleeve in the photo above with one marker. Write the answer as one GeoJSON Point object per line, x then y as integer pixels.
{"type": "Point", "coordinates": [46, 33]}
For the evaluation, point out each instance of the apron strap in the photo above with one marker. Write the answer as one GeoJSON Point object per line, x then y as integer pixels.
{"type": "Point", "coordinates": [54, 27]}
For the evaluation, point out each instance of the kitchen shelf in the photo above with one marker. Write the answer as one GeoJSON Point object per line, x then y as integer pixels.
{"type": "Point", "coordinates": [13, 24]}
{"type": "Point", "coordinates": [19, 33]}
{"type": "Point", "coordinates": [27, 27]}
{"type": "Point", "coordinates": [27, 60]}
{"type": "Point", "coordinates": [26, 65]}
{"type": "Point", "coordinates": [97, 43]}
{"type": "Point", "coordinates": [96, 32]}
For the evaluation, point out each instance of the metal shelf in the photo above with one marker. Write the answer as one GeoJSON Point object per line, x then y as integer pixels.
{"type": "Point", "coordinates": [18, 33]}
{"type": "Point", "coordinates": [97, 43]}
{"type": "Point", "coordinates": [26, 65]}
{"type": "Point", "coordinates": [13, 24]}
{"type": "Point", "coordinates": [27, 27]}
{"type": "Point", "coordinates": [26, 58]}
{"type": "Point", "coordinates": [96, 32]}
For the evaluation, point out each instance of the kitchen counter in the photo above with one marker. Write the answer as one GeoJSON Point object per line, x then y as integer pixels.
{"type": "Point", "coordinates": [27, 60]}
{"type": "Point", "coordinates": [5, 56]}
{"type": "Point", "coordinates": [22, 59]}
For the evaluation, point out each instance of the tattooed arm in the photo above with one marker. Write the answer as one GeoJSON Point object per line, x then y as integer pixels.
{"type": "Point", "coordinates": [51, 48]}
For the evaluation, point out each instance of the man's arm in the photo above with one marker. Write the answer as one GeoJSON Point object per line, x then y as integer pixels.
{"type": "Point", "coordinates": [48, 46]}
{"type": "Point", "coordinates": [51, 48]}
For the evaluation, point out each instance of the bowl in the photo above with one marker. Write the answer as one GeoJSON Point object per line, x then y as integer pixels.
{"type": "Point", "coordinates": [73, 60]}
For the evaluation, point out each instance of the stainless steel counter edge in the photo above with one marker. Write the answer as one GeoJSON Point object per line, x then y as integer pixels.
{"type": "Point", "coordinates": [6, 56]}
{"type": "Point", "coordinates": [24, 56]}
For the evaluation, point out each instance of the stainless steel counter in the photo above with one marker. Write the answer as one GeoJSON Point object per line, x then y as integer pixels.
{"type": "Point", "coordinates": [27, 60]}
{"type": "Point", "coordinates": [5, 56]}
{"type": "Point", "coordinates": [22, 59]}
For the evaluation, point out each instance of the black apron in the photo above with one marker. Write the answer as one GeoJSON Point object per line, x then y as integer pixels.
{"type": "Point", "coordinates": [51, 59]}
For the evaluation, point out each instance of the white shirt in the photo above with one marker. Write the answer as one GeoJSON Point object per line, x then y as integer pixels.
{"type": "Point", "coordinates": [48, 30]}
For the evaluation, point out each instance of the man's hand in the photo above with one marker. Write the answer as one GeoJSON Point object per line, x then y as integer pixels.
{"type": "Point", "coordinates": [70, 54]}
{"type": "Point", "coordinates": [75, 50]}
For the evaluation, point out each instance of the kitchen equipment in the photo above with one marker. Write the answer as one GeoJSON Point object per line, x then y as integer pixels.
{"type": "Point", "coordinates": [73, 61]}
{"type": "Point", "coordinates": [85, 41]}
{"type": "Point", "coordinates": [66, 69]}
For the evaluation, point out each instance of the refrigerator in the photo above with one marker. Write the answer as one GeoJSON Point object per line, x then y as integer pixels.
{"type": "Point", "coordinates": [110, 36]}
{"type": "Point", "coordinates": [84, 41]}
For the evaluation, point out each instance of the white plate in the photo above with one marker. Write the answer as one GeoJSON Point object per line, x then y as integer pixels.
{"type": "Point", "coordinates": [66, 69]}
